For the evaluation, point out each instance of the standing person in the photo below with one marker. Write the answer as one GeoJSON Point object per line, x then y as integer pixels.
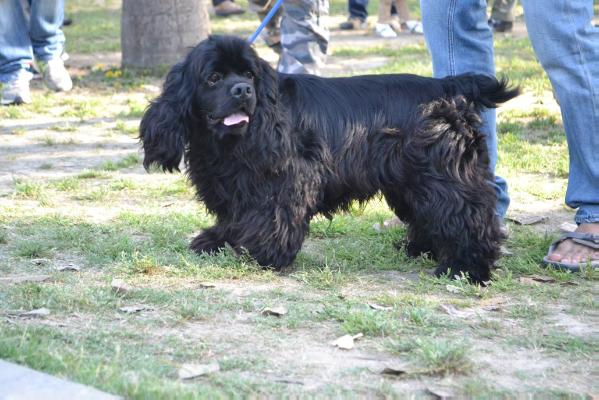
{"type": "Point", "coordinates": [298, 33]}
{"type": "Point", "coordinates": [23, 39]}
{"type": "Point", "coordinates": [502, 15]}
{"type": "Point", "coordinates": [567, 45]}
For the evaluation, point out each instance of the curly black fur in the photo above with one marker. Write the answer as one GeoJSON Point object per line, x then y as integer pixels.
{"type": "Point", "coordinates": [312, 145]}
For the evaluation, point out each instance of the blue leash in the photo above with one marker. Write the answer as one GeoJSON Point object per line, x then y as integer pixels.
{"type": "Point", "coordinates": [268, 17]}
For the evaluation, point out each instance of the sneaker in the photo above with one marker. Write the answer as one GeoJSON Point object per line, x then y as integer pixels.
{"type": "Point", "coordinates": [384, 31]}
{"type": "Point", "coordinates": [15, 92]}
{"type": "Point", "coordinates": [227, 8]}
{"type": "Point", "coordinates": [414, 27]}
{"type": "Point", "coordinates": [501, 26]}
{"type": "Point", "coordinates": [353, 23]}
{"type": "Point", "coordinates": [56, 75]}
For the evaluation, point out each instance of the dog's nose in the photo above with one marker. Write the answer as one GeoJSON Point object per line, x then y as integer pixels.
{"type": "Point", "coordinates": [242, 91]}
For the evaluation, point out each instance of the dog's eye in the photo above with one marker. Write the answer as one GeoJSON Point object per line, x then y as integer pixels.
{"type": "Point", "coordinates": [214, 78]}
{"type": "Point", "coordinates": [248, 74]}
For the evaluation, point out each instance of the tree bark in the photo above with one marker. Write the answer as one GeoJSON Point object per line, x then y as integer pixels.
{"type": "Point", "coordinates": [156, 33]}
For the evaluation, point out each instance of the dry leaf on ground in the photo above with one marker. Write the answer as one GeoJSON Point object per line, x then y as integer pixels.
{"type": "Point", "coordinates": [528, 219]}
{"type": "Point", "coordinates": [276, 311]}
{"type": "Point", "coordinates": [346, 342]}
{"type": "Point", "coordinates": [395, 370]}
{"type": "Point", "coordinates": [69, 267]}
{"type": "Point", "coordinates": [453, 289]}
{"type": "Point", "coordinates": [191, 371]}
{"type": "Point", "coordinates": [134, 309]}
{"type": "Point", "coordinates": [37, 313]}
{"type": "Point", "coordinates": [207, 285]}
{"type": "Point", "coordinates": [379, 308]}
{"type": "Point", "coordinates": [456, 312]}
{"type": "Point", "coordinates": [441, 392]}
{"type": "Point", "coordinates": [535, 280]}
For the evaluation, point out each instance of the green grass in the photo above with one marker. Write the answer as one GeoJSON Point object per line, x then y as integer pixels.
{"type": "Point", "coordinates": [115, 222]}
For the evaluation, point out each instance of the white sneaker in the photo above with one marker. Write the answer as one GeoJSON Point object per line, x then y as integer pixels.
{"type": "Point", "coordinates": [15, 92]}
{"type": "Point", "coordinates": [415, 27]}
{"type": "Point", "coordinates": [384, 31]}
{"type": "Point", "coordinates": [56, 75]}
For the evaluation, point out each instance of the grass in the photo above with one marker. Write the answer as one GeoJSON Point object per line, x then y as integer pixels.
{"type": "Point", "coordinates": [116, 222]}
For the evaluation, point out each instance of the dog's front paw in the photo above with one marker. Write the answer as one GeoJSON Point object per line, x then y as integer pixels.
{"type": "Point", "coordinates": [206, 243]}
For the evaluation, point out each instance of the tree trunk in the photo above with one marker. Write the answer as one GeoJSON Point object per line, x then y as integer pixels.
{"type": "Point", "coordinates": [155, 33]}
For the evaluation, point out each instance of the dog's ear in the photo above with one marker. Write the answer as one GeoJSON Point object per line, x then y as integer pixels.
{"type": "Point", "coordinates": [163, 126]}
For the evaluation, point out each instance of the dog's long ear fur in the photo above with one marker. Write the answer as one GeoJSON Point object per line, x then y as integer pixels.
{"type": "Point", "coordinates": [272, 143]}
{"type": "Point", "coordinates": [162, 130]}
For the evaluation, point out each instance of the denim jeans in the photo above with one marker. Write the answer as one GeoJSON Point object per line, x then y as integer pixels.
{"type": "Point", "coordinates": [567, 45]}
{"type": "Point", "coordinates": [357, 9]}
{"type": "Point", "coordinates": [22, 38]}
{"type": "Point", "coordinates": [460, 40]}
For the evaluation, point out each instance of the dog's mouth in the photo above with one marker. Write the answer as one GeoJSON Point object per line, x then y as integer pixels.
{"type": "Point", "coordinates": [236, 119]}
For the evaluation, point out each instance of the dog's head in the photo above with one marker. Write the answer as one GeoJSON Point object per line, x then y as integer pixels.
{"type": "Point", "coordinates": [214, 92]}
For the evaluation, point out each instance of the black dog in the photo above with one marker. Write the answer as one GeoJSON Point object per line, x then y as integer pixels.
{"type": "Point", "coordinates": [267, 151]}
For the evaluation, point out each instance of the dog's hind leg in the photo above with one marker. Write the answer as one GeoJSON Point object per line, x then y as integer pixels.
{"type": "Point", "coordinates": [445, 185]}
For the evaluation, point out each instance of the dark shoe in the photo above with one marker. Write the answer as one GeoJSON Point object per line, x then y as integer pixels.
{"type": "Point", "coordinates": [227, 8]}
{"type": "Point", "coordinates": [353, 24]}
{"type": "Point", "coordinates": [501, 26]}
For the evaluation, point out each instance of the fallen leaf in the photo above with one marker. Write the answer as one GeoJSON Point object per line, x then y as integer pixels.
{"type": "Point", "coordinates": [134, 309]}
{"type": "Point", "coordinates": [527, 219]}
{"type": "Point", "coordinates": [276, 311]}
{"type": "Point", "coordinates": [190, 371]}
{"type": "Point", "coordinates": [167, 205]}
{"type": "Point", "coordinates": [120, 287]}
{"type": "Point", "coordinates": [544, 279]}
{"type": "Point", "coordinates": [379, 308]}
{"type": "Point", "coordinates": [69, 267]}
{"type": "Point", "coordinates": [568, 227]}
{"type": "Point", "coordinates": [535, 280]}
{"type": "Point", "coordinates": [395, 370]}
{"type": "Point", "coordinates": [205, 285]}
{"type": "Point", "coordinates": [569, 283]}
{"type": "Point", "coordinates": [24, 279]}
{"type": "Point", "coordinates": [453, 289]}
{"type": "Point", "coordinates": [37, 313]}
{"type": "Point", "coordinates": [346, 342]}
{"type": "Point", "coordinates": [40, 261]}
{"type": "Point", "coordinates": [441, 392]}
{"type": "Point", "coordinates": [454, 311]}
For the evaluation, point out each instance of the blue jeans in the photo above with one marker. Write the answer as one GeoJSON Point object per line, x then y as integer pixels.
{"type": "Point", "coordinates": [357, 9]}
{"type": "Point", "coordinates": [22, 38]}
{"type": "Point", "coordinates": [460, 40]}
{"type": "Point", "coordinates": [567, 45]}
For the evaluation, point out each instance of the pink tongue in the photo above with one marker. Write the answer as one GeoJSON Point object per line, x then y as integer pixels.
{"type": "Point", "coordinates": [235, 119]}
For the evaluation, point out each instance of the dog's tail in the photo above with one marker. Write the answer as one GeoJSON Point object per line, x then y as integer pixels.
{"type": "Point", "coordinates": [483, 90]}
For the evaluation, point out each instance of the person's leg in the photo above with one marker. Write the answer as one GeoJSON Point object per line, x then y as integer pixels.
{"type": "Point", "coordinates": [304, 36]}
{"type": "Point", "coordinates": [358, 14]}
{"type": "Point", "coordinates": [48, 40]}
{"type": "Point", "coordinates": [460, 40]}
{"type": "Point", "coordinates": [15, 47]}
{"type": "Point", "coordinates": [16, 55]}
{"type": "Point", "coordinates": [358, 9]}
{"type": "Point", "coordinates": [567, 45]}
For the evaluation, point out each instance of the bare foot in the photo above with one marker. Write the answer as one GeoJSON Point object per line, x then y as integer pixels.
{"type": "Point", "coordinates": [569, 251]}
